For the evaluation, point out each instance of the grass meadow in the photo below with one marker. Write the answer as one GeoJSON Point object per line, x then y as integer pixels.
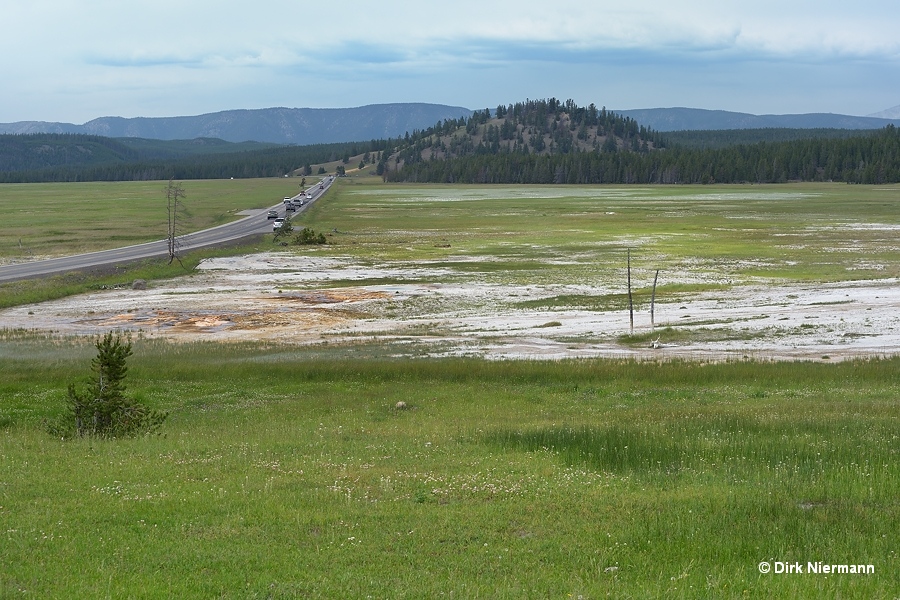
{"type": "Point", "coordinates": [289, 472]}
{"type": "Point", "coordinates": [281, 475]}
{"type": "Point", "coordinates": [701, 238]}
{"type": "Point", "coordinates": [56, 219]}
{"type": "Point", "coordinates": [730, 234]}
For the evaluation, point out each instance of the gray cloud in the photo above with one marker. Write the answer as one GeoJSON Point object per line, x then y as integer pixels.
{"type": "Point", "coordinates": [127, 58]}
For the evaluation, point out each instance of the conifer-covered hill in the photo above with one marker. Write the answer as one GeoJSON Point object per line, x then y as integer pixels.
{"type": "Point", "coordinates": [531, 142]}
{"type": "Point", "coordinates": [547, 141]}
{"type": "Point", "coordinates": [534, 127]}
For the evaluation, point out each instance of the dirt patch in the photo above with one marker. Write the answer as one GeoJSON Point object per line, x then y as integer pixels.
{"type": "Point", "coordinates": [156, 320]}
{"type": "Point", "coordinates": [276, 297]}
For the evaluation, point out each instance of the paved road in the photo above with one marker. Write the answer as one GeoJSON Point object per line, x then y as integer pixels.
{"type": "Point", "coordinates": [248, 226]}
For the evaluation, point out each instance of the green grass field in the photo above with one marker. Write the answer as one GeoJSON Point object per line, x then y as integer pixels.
{"type": "Point", "coordinates": [722, 234]}
{"type": "Point", "coordinates": [68, 218]}
{"type": "Point", "coordinates": [45, 220]}
{"type": "Point", "coordinates": [288, 472]}
{"type": "Point", "coordinates": [803, 232]}
{"type": "Point", "coordinates": [285, 475]}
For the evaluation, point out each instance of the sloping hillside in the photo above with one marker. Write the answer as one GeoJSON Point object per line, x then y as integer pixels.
{"type": "Point", "coordinates": [302, 126]}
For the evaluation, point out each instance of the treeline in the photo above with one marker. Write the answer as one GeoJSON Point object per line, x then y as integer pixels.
{"type": "Point", "coordinates": [36, 152]}
{"type": "Point", "coordinates": [48, 150]}
{"type": "Point", "coordinates": [724, 138]}
{"type": "Point", "coordinates": [531, 142]}
{"type": "Point", "coordinates": [868, 158]}
{"type": "Point", "coordinates": [133, 166]}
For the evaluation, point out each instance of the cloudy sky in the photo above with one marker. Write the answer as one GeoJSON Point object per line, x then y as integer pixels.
{"type": "Point", "coordinates": [75, 60]}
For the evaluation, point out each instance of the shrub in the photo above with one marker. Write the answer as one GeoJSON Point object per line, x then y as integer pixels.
{"type": "Point", "coordinates": [308, 236]}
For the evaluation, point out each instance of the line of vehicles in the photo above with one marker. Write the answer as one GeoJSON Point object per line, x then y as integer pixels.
{"type": "Point", "coordinates": [291, 204]}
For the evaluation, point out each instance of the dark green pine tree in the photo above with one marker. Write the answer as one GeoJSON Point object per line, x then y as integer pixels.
{"type": "Point", "coordinates": [103, 409]}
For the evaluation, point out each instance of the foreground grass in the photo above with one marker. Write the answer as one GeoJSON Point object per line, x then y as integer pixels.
{"type": "Point", "coordinates": [280, 475]}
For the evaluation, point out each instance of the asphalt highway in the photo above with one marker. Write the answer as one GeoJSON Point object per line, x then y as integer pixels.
{"type": "Point", "coordinates": [248, 226]}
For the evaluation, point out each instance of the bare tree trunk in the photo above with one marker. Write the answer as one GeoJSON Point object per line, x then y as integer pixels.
{"type": "Point", "coordinates": [653, 300]}
{"type": "Point", "coordinates": [630, 300]}
{"type": "Point", "coordinates": [174, 206]}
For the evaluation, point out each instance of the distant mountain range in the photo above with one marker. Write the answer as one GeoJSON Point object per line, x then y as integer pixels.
{"type": "Point", "coordinates": [304, 126]}
{"type": "Point", "coordinates": [301, 126]}
{"type": "Point", "coordinates": [681, 119]}
{"type": "Point", "coordinates": [890, 113]}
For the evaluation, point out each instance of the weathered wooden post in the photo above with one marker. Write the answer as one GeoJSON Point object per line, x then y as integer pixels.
{"type": "Point", "coordinates": [630, 300]}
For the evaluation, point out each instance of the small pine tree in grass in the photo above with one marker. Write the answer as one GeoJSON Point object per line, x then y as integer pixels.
{"type": "Point", "coordinates": [103, 410]}
{"type": "Point", "coordinates": [284, 230]}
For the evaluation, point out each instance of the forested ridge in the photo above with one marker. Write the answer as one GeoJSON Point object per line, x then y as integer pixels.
{"type": "Point", "coordinates": [542, 142]}
{"type": "Point", "coordinates": [867, 159]}
{"type": "Point", "coordinates": [40, 151]}
{"type": "Point", "coordinates": [531, 142]}
{"type": "Point", "coordinates": [706, 139]}
{"type": "Point", "coordinates": [78, 157]}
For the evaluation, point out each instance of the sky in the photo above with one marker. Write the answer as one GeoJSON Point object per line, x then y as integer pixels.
{"type": "Point", "coordinates": [76, 60]}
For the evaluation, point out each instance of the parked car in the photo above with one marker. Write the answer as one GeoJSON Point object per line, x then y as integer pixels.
{"type": "Point", "coordinates": [273, 214]}
{"type": "Point", "coordinates": [277, 223]}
